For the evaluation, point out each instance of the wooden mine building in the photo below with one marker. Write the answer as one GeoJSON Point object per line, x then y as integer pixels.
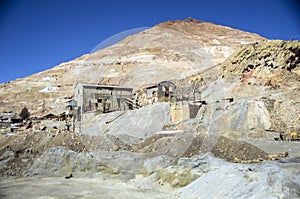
{"type": "Point", "coordinates": [101, 98]}
{"type": "Point", "coordinates": [161, 92]}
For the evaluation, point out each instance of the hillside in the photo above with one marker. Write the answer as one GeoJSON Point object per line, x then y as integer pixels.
{"type": "Point", "coordinates": [263, 81]}
{"type": "Point", "coordinates": [170, 50]}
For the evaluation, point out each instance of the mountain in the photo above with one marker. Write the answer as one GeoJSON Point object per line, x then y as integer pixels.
{"type": "Point", "coordinates": [170, 50]}
{"type": "Point", "coordinates": [241, 99]}
{"type": "Point", "coordinates": [254, 91]}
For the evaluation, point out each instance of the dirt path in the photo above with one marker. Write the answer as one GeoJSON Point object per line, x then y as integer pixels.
{"type": "Point", "coordinates": [82, 187]}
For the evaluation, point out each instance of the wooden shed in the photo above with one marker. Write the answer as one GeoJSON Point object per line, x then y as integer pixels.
{"type": "Point", "coordinates": [162, 92]}
{"type": "Point", "coordinates": [101, 98]}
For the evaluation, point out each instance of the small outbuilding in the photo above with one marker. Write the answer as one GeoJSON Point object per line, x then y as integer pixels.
{"type": "Point", "coordinates": [161, 92]}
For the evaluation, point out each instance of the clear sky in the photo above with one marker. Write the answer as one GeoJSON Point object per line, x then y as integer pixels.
{"type": "Point", "coordinates": [36, 35]}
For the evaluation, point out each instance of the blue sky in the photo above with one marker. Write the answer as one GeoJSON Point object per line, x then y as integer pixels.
{"type": "Point", "coordinates": [36, 35]}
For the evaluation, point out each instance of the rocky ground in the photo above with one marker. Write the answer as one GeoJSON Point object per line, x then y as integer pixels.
{"type": "Point", "coordinates": [62, 173]}
{"type": "Point", "coordinates": [267, 180]}
{"type": "Point", "coordinates": [161, 166]}
{"type": "Point", "coordinates": [19, 151]}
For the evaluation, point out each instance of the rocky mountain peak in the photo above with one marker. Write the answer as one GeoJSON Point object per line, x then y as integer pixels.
{"type": "Point", "coordinates": [188, 20]}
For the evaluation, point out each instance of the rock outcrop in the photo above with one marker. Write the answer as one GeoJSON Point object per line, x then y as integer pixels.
{"type": "Point", "coordinates": [271, 63]}
{"type": "Point", "coordinates": [262, 82]}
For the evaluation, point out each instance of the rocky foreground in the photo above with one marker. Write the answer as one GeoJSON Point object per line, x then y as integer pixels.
{"type": "Point", "coordinates": [197, 177]}
{"type": "Point", "coordinates": [61, 164]}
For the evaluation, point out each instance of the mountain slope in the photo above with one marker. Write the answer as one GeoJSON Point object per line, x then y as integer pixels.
{"type": "Point", "coordinates": [170, 50]}
{"type": "Point", "coordinates": [263, 82]}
